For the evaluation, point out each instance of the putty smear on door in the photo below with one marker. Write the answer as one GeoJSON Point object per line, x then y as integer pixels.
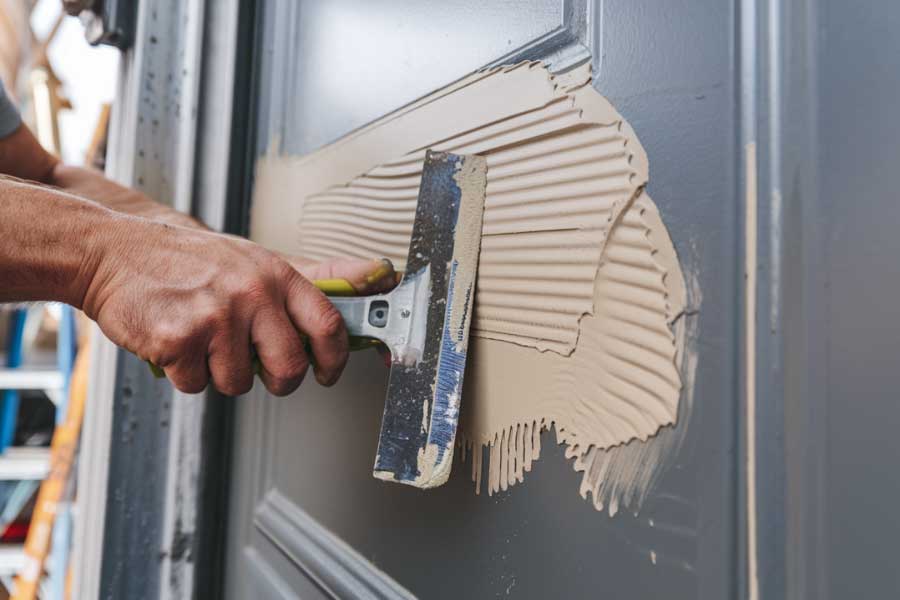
{"type": "Point", "coordinates": [578, 288]}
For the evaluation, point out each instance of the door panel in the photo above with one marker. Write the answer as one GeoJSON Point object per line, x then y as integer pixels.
{"type": "Point", "coordinates": [303, 464]}
{"type": "Point", "coordinates": [335, 66]}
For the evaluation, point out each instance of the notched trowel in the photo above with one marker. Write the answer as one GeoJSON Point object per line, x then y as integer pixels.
{"type": "Point", "coordinates": [424, 322]}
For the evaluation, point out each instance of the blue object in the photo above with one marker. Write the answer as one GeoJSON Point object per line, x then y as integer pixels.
{"type": "Point", "coordinates": [66, 347]}
{"type": "Point", "coordinates": [10, 410]}
{"type": "Point", "coordinates": [16, 495]}
{"type": "Point", "coordinates": [61, 543]}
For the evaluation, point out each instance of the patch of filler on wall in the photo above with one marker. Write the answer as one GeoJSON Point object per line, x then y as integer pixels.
{"type": "Point", "coordinates": [579, 295]}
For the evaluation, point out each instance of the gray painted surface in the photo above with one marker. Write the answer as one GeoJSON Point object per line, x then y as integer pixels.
{"type": "Point", "coordinates": [318, 74]}
{"type": "Point", "coordinates": [669, 68]}
{"type": "Point", "coordinates": [859, 154]}
{"type": "Point", "coordinates": [396, 51]}
{"type": "Point", "coordinates": [822, 107]}
{"type": "Point", "coordinates": [815, 85]}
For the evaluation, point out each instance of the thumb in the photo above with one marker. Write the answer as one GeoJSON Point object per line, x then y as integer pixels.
{"type": "Point", "coordinates": [366, 276]}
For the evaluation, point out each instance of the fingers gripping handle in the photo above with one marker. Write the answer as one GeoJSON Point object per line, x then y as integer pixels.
{"type": "Point", "coordinates": [339, 289]}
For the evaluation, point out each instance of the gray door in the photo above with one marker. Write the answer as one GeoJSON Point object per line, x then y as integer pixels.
{"type": "Point", "coordinates": [306, 517]}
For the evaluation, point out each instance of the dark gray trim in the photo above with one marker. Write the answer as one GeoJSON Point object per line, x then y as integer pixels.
{"type": "Point", "coordinates": [804, 346]}
{"type": "Point", "coordinates": [215, 470]}
{"type": "Point", "coordinates": [138, 463]}
{"type": "Point", "coordinates": [779, 113]}
{"type": "Point", "coordinates": [762, 114]}
{"type": "Point", "coordinates": [335, 567]}
{"type": "Point", "coordinates": [213, 484]}
{"type": "Point", "coordinates": [243, 119]}
{"type": "Point", "coordinates": [791, 423]}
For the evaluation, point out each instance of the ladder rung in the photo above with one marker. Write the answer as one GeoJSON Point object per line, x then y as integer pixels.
{"type": "Point", "coordinates": [24, 463]}
{"type": "Point", "coordinates": [12, 558]}
{"type": "Point", "coordinates": [30, 379]}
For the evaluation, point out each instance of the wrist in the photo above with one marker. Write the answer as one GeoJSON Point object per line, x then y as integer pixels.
{"type": "Point", "coordinates": [105, 248]}
{"type": "Point", "coordinates": [56, 246]}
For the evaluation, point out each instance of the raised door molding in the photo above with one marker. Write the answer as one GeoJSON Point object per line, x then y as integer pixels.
{"type": "Point", "coordinates": [333, 565]}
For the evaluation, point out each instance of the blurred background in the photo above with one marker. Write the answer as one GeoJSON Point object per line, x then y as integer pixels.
{"type": "Point", "coordinates": [39, 35]}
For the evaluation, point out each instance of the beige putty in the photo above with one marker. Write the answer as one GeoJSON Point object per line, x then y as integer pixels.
{"type": "Point", "coordinates": [578, 281]}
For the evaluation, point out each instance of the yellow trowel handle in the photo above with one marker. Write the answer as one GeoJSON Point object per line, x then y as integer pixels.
{"type": "Point", "coordinates": [331, 287]}
{"type": "Point", "coordinates": [335, 287]}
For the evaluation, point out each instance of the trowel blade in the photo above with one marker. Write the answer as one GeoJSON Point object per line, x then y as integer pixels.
{"type": "Point", "coordinates": [423, 400]}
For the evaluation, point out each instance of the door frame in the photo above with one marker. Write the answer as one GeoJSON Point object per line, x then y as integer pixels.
{"type": "Point", "coordinates": [179, 134]}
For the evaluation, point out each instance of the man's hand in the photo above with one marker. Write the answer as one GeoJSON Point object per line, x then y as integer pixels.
{"type": "Point", "coordinates": [193, 302]}
{"type": "Point", "coordinates": [197, 304]}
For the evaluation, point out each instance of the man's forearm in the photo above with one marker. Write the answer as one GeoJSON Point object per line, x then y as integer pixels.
{"type": "Point", "coordinates": [49, 243]}
{"type": "Point", "coordinates": [23, 157]}
{"type": "Point", "coordinates": [94, 186]}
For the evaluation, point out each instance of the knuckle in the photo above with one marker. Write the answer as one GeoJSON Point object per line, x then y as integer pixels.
{"type": "Point", "coordinates": [283, 387]}
{"type": "Point", "coordinates": [278, 388]}
{"type": "Point", "coordinates": [292, 369]}
{"type": "Point", "coordinates": [256, 290]}
{"type": "Point", "coordinates": [192, 387]}
{"type": "Point", "coordinates": [292, 282]}
{"type": "Point", "coordinates": [189, 383]}
{"type": "Point", "coordinates": [287, 376]}
{"type": "Point", "coordinates": [167, 338]}
{"type": "Point", "coordinates": [210, 316]}
{"type": "Point", "coordinates": [235, 386]}
{"type": "Point", "coordinates": [231, 370]}
{"type": "Point", "coordinates": [242, 382]}
{"type": "Point", "coordinates": [280, 269]}
{"type": "Point", "coordinates": [299, 373]}
{"type": "Point", "coordinates": [329, 322]}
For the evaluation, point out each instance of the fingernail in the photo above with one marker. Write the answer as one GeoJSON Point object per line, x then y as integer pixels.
{"type": "Point", "coordinates": [320, 378]}
{"type": "Point", "coordinates": [384, 268]}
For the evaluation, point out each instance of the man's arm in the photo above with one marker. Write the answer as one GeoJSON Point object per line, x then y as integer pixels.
{"type": "Point", "coordinates": [22, 156]}
{"type": "Point", "coordinates": [92, 184]}
{"type": "Point", "coordinates": [49, 241]}
{"type": "Point", "coordinates": [190, 301]}
{"type": "Point", "coordinates": [161, 285]}
{"type": "Point", "coordinates": [367, 276]}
